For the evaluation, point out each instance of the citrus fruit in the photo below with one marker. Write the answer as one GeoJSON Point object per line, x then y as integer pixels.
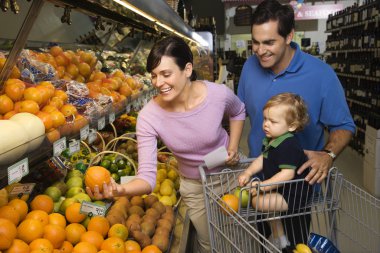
{"type": "Point", "coordinates": [42, 202]}
{"type": "Point", "coordinates": [29, 230]}
{"type": "Point", "coordinates": [118, 230]}
{"type": "Point", "coordinates": [230, 202]}
{"type": "Point", "coordinates": [92, 237]}
{"type": "Point", "coordinates": [97, 175]}
{"type": "Point", "coordinates": [99, 224]}
{"type": "Point", "coordinates": [8, 232]}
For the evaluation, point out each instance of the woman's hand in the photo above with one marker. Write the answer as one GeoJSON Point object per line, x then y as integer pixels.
{"type": "Point", "coordinates": [233, 158]}
{"type": "Point", "coordinates": [244, 178]}
{"type": "Point", "coordinates": [110, 190]}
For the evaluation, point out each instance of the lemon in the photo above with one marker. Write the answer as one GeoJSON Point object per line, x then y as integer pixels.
{"type": "Point", "coordinates": [166, 190]}
{"type": "Point", "coordinates": [166, 200]}
{"type": "Point", "coordinates": [302, 248]}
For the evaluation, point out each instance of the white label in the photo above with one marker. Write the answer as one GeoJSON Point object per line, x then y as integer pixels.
{"type": "Point", "coordinates": [111, 117]}
{"type": "Point", "coordinates": [92, 209]}
{"type": "Point", "coordinates": [21, 189]}
{"type": "Point", "coordinates": [74, 146]}
{"type": "Point", "coordinates": [126, 179]}
{"type": "Point", "coordinates": [18, 170]}
{"type": "Point", "coordinates": [101, 123]}
{"type": "Point", "coordinates": [84, 132]}
{"type": "Point", "coordinates": [59, 146]}
{"type": "Point", "coordinates": [92, 136]}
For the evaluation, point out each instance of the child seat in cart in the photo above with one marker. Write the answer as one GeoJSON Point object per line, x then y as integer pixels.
{"type": "Point", "coordinates": [336, 216]}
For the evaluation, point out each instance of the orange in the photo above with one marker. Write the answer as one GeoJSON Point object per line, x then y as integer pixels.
{"type": "Point", "coordinates": [46, 119]}
{"type": "Point", "coordinates": [49, 108]}
{"type": "Point", "coordinates": [8, 232]}
{"type": "Point", "coordinates": [14, 89]}
{"type": "Point", "coordinates": [74, 232]}
{"type": "Point", "coordinates": [125, 90]}
{"type": "Point", "coordinates": [68, 110]}
{"type": "Point", "coordinates": [9, 212]}
{"type": "Point", "coordinates": [39, 215]}
{"type": "Point", "coordinates": [6, 104]}
{"type": "Point", "coordinates": [55, 50]}
{"type": "Point", "coordinates": [61, 60]}
{"type": "Point", "coordinates": [46, 93]}
{"type": "Point", "coordinates": [151, 249]}
{"type": "Point", "coordinates": [30, 106]}
{"type": "Point", "coordinates": [18, 246]}
{"type": "Point", "coordinates": [131, 245]}
{"type": "Point", "coordinates": [99, 224]}
{"type": "Point", "coordinates": [55, 234]}
{"type": "Point", "coordinates": [94, 86]}
{"type": "Point", "coordinates": [53, 135]}
{"type": "Point", "coordinates": [103, 251]}
{"type": "Point", "coordinates": [56, 102]}
{"type": "Point", "coordinates": [230, 201]}
{"type": "Point", "coordinates": [66, 247]}
{"type": "Point", "coordinates": [73, 70]}
{"type": "Point", "coordinates": [92, 237]}
{"type": "Point", "coordinates": [85, 247]}
{"type": "Point", "coordinates": [29, 230]}
{"type": "Point", "coordinates": [85, 56]}
{"type": "Point", "coordinates": [41, 245]}
{"type": "Point", "coordinates": [118, 230]}
{"type": "Point", "coordinates": [84, 69]}
{"type": "Point", "coordinates": [21, 207]}
{"type": "Point", "coordinates": [57, 219]}
{"type": "Point", "coordinates": [17, 105]}
{"type": "Point", "coordinates": [42, 202]}
{"type": "Point", "coordinates": [97, 175]}
{"type": "Point", "coordinates": [80, 79]}
{"type": "Point", "coordinates": [61, 94]}
{"type": "Point", "coordinates": [97, 75]}
{"type": "Point", "coordinates": [48, 85]}
{"type": "Point", "coordinates": [32, 93]}
{"type": "Point", "coordinates": [58, 118]}
{"type": "Point", "coordinates": [9, 114]}
{"type": "Point", "coordinates": [73, 214]}
{"type": "Point", "coordinates": [113, 245]}
{"type": "Point", "coordinates": [61, 71]}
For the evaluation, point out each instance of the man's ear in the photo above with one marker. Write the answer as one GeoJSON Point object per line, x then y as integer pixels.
{"type": "Point", "coordinates": [188, 69]}
{"type": "Point", "coordinates": [289, 37]}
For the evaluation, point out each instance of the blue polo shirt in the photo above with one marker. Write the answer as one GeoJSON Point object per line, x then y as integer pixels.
{"type": "Point", "coordinates": [307, 76]}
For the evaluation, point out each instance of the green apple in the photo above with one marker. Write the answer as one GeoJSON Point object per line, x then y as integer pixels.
{"type": "Point", "coordinates": [244, 196]}
{"type": "Point", "coordinates": [74, 181]}
{"type": "Point", "coordinates": [82, 197]}
{"type": "Point", "coordinates": [74, 173]}
{"type": "Point", "coordinates": [53, 192]}
{"type": "Point", "coordinates": [66, 203]}
{"type": "Point", "coordinates": [57, 204]}
{"type": "Point", "coordinates": [74, 191]}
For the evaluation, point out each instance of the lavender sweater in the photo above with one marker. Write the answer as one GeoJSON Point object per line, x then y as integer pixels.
{"type": "Point", "coordinates": [189, 135]}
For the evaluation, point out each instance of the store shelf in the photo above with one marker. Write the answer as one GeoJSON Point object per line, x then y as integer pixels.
{"type": "Point", "coordinates": [356, 50]}
{"type": "Point", "coordinates": [365, 22]}
{"type": "Point", "coordinates": [370, 78]}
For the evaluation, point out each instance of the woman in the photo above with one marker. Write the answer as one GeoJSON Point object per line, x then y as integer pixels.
{"type": "Point", "coordinates": [187, 116]}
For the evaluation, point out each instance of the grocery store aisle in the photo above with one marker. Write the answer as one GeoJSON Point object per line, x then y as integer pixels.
{"type": "Point", "coordinates": [349, 162]}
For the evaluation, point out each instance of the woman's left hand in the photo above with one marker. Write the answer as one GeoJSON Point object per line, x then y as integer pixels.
{"type": "Point", "coordinates": [233, 158]}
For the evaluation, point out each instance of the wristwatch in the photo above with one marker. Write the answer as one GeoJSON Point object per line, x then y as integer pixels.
{"type": "Point", "coordinates": [330, 153]}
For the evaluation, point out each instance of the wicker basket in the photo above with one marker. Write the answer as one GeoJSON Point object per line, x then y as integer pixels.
{"type": "Point", "coordinates": [173, 4]}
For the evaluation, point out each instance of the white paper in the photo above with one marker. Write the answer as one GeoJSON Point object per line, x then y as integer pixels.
{"type": "Point", "coordinates": [216, 158]}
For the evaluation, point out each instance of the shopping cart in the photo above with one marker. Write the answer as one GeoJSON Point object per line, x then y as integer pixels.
{"type": "Point", "coordinates": [347, 216]}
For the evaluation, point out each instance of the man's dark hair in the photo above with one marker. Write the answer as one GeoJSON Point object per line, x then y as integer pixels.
{"type": "Point", "coordinates": [272, 10]}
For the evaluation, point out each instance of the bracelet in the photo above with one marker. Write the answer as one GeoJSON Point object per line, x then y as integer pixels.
{"type": "Point", "coordinates": [330, 153]}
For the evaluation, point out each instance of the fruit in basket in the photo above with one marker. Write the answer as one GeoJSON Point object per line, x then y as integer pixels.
{"type": "Point", "coordinates": [303, 248]}
{"type": "Point", "coordinates": [230, 202]}
{"type": "Point", "coordinates": [244, 196]}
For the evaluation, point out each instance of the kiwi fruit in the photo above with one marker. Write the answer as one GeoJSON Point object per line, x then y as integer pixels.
{"type": "Point", "coordinates": [169, 217]}
{"type": "Point", "coordinates": [149, 218]}
{"type": "Point", "coordinates": [136, 210]}
{"type": "Point", "coordinates": [161, 241]}
{"type": "Point", "coordinates": [137, 201]}
{"type": "Point", "coordinates": [164, 223]}
{"type": "Point", "coordinates": [159, 207]}
{"type": "Point", "coordinates": [147, 228]}
{"type": "Point", "coordinates": [153, 212]}
{"type": "Point", "coordinates": [162, 231]}
{"type": "Point", "coordinates": [149, 201]}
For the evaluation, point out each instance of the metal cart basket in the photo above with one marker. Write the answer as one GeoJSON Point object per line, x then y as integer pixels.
{"type": "Point", "coordinates": [347, 216]}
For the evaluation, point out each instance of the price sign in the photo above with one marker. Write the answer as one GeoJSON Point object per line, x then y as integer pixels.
{"type": "Point", "coordinates": [111, 117]}
{"type": "Point", "coordinates": [84, 132]}
{"type": "Point", "coordinates": [19, 190]}
{"type": "Point", "coordinates": [126, 179]}
{"type": "Point", "coordinates": [92, 209]}
{"type": "Point", "coordinates": [18, 170]}
{"type": "Point", "coordinates": [101, 123]}
{"type": "Point", "coordinates": [74, 146]}
{"type": "Point", "coordinates": [59, 146]}
{"type": "Point", "coordinates": [92, 136]}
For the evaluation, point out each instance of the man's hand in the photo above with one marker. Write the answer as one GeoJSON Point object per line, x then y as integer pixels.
{"type": "Point", "coordinates": [320, 163]}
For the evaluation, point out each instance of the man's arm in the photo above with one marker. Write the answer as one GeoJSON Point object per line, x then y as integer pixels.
{"type": "Point", "coordinates": [319, 161]}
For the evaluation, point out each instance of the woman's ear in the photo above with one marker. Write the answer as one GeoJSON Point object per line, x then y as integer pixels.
{"type": "Point", "coordinates": [188, 69]}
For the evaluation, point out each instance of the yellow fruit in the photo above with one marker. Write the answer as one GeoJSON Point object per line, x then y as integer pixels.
{"type": "Point", "coordinates": [302, 248]}
{"type": "Point", "coordinates": [166, 200]}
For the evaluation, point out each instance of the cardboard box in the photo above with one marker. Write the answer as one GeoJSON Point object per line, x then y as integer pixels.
{"type": "Point", "coordinates": [371, 179]}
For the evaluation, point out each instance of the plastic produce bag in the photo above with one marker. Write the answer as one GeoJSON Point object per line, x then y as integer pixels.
{"type": "Point", "coordinates": [321, 244]}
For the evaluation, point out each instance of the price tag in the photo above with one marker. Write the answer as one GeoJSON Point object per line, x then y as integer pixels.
{"type": "Point", "coordinates": [92, 136]}
{"type": "Point", "coordinates": [101, 123]}
{"type": "Point", "coordinates": [126, 179]}
{"type": "Point", "coordinates": [92, 209]}
{"type": "Point", "coordinates": [19, 190]}
{"type": "Point", "coordinates": [74, 146]}
{"type": "Point", "coordinates": [59, 146]}
{"type": "Point", "coordinates": [18, 170]}
{"type": "Point", "coordinates": [111, 117]}
{"type": "Point", "coordinates": [84, 132]}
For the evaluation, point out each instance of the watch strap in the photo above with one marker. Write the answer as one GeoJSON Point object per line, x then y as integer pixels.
{"type": "Point", "coordinates": [330, 153]}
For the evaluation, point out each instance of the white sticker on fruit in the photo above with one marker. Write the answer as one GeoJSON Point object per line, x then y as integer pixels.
{"type": "Point", "coordinates": [216, 158]}
{"type": "Point", "coordinates": [21, 189]}
{"type": "Point", "coordinates": [92, 135]}
{"type": "Point", "coordinates": [84, 132]}
{"type": "Point", "coordinates": [92, 209]}
{"type": "Point", "coordinates": [18, 170]}
{"type": "Point", "coordinates": [126, 179]}
{"type": "Point", "coordinates": [59, 146]}
{"type": "Point", "coordinates": [74, 146]}
{"type": "Point", "coordinates": [101, 123]}
{"type": "Point", "coordinates": [111, 117]}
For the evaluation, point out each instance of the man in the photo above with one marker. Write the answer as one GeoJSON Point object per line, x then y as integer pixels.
{"type": "Point", "coordinates": [279, 65]}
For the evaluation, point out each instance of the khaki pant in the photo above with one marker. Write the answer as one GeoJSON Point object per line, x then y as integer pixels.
{"type": "Point", "coordinates": [191, 191]}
